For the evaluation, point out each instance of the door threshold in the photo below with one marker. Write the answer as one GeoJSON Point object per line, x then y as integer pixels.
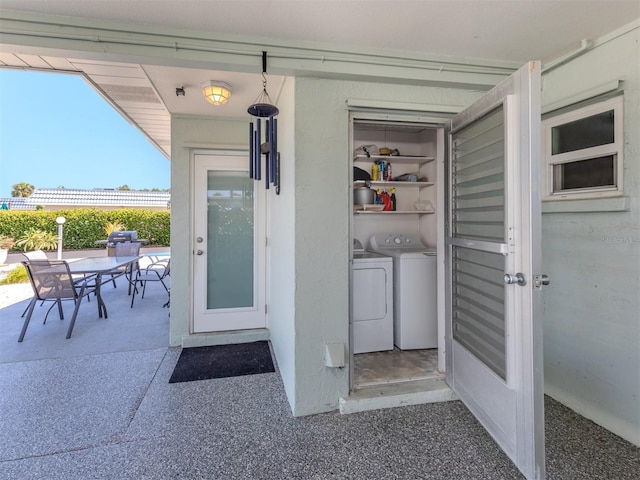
{"type": "Point", "coordinates": [390, 381]}
{"type": "Point", "coordinates": [390, 395]}
{"type": "Point", "coordinates": [206, 339]}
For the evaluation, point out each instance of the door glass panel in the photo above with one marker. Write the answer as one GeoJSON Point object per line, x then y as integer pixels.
{"type": "Point", "coordinates": [230, 240]}
{"type": "Point", "coordinates": [477, 176]}
{"type": "Point", "coordinates": [478, 305]}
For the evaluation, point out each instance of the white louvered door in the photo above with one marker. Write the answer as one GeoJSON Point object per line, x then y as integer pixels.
{"type": "Point", "coordinates": [494, 334]}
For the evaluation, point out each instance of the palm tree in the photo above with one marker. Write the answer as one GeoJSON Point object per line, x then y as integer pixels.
{"type": "Point", "coordinates": [22, 189]}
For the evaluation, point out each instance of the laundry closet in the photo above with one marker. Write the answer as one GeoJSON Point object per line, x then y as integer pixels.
{"type": "Point", "coordinates": [397, 219]}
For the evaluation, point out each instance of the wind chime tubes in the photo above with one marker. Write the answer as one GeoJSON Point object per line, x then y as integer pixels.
{"type": "Point", "coordinates": [263, 108]}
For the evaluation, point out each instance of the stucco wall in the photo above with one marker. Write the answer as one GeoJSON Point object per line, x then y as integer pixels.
{"type": "Point", "coordinates": [592, 307]}
{"type": "Point", "coordinates": [281, 232]}
{"type": "Point", "coordinates": [322, 163]}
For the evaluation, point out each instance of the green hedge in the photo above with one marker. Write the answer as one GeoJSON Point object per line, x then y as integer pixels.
{"type": "Point", "coordinates": [86, 225]}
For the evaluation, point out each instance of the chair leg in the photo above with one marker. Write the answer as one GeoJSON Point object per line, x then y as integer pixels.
{"type": "Point", "coordinates": [26, 320]}
{"type": "Point", "coordinates": [27, 307]}
{"type": "Point", "coordinates": [46, 315]}
{"type": "Point", "coordinates": [133, 294]}
{"type": "Point", "coordinates": [73, 318]}
{"type": "Point", "coordinates": [130, 279]}
{"type": "Point", "coordinates": [168, 301]}
{"type": "Point", "coordinates": [78, 301]}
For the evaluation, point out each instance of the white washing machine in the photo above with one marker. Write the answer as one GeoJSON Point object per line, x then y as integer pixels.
{"type": "Point", "coordinates": [372, 298]}
{"type": "Point", "coordinates": [415, 289]}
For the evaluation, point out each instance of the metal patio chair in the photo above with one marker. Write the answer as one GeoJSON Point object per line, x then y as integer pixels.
{"type": "Point", "coordinates": [126, 249]}
{"type": "Point", "coordinates": [51, 280]}
{"type": "Point", "coordinates": [154, 272]}
{"type": "Point", "coordinates": [36, 255]}
{"type": "Point", "coordinates": [40, 255]}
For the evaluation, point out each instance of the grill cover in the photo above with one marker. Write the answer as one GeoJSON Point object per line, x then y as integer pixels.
{"type": "Point", "coordinates": [119, 237]}
{"type": "Point", "coordinates": [124, 236]}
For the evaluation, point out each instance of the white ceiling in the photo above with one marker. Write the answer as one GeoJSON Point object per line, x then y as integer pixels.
{"type": "Point", "coordinates": [496, 30]}
{"type": "Point", "coordinates": [513, 30]}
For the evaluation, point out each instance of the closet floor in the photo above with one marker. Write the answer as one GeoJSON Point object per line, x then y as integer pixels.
{"type": "Point", "coordinates": [395, 366]}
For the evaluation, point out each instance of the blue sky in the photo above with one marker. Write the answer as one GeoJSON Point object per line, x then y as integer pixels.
{"type": "Point", "coordinates": [55, 130]}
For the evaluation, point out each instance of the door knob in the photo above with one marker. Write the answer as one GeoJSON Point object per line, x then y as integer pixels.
{"type": "Point", "coordinates": [199, 252]}
{"type": "Point", "coordinates": [518, 278]}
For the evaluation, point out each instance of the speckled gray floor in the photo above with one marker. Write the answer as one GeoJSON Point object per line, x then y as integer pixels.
{"type": "Point", "coordinates": [113, 415]}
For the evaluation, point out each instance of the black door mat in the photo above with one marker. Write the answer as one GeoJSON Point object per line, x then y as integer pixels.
{"type": "Point", "coordinates": [220, 361]}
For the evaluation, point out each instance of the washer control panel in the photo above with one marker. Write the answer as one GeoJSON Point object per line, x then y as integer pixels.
{"type": "Point", "coordinates": [396, 241]}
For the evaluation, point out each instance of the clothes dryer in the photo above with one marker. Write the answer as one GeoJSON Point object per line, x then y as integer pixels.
{"type": "Point", "coordinates": [372, 298]}
{"type": "Point", "coordinates": [415, 289]}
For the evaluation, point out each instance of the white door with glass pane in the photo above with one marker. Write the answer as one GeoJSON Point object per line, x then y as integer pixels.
{"type": "Point", "coordinates": [228, 245]}
{"type": "Point", "coordinates": [494, 331]}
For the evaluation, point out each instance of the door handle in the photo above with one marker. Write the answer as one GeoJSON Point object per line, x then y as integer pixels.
{"type": "Point", "coordinates": [199, 252]}
{"type": "Point", "coordinates": [518, 279]}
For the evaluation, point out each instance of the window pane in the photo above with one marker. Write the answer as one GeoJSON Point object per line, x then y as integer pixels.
{"type": "Point", "coordinates": [595, 172]}
{"type": "Point", "coordinates": [584, 133]}
{"type": "Point", "coordinates": [230, 241]}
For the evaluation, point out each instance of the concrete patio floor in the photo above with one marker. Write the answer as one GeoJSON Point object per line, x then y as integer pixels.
{"type": "Point", "coordinates": [99, 406]}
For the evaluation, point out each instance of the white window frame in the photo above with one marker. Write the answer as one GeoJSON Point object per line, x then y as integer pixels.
{"type": "Point", "coordinates": [616, 149]}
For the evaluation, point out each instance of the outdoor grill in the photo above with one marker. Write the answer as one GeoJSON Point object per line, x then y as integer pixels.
{"type": "Point", "coordinates": [119, 237]}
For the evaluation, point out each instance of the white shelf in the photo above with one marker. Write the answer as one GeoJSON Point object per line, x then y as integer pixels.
{"type": "Point", "coordinates": [395, 159]}
{"type": "Point", "coordinates": [361, 183]}
{"type": "Point", "coordinates": [397, 212]}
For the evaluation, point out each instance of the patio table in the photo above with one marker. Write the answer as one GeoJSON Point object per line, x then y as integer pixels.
{"type": "Point", "coordinates": [98, 266]}
{"type": "Point", "coordinates": [104, 242]}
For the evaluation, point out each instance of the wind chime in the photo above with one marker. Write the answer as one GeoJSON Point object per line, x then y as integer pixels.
{"type": "Point", "coordinates": [261, 108]}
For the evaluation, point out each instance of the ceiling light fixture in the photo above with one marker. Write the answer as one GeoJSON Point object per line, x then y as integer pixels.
{"type": "Point", "coordinates": [262, 107]}
{"type": "Point", "coordinates": [216, 93]}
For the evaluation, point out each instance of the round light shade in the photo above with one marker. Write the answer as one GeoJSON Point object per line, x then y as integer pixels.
{"type": "Point", "coordinates": [60, 220]}
{"type": "Point", "coordinates": [216, 93]}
